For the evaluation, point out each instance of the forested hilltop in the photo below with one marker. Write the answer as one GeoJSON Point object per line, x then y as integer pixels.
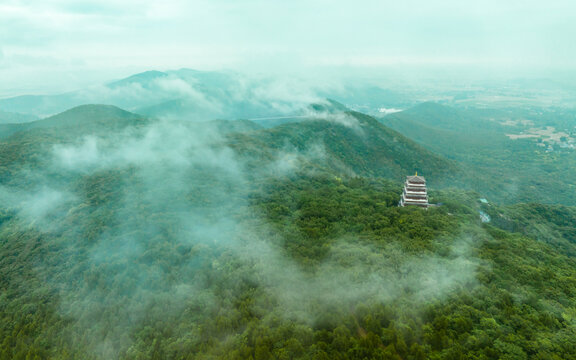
{"type": "Point", "coordinates": [124, 237]}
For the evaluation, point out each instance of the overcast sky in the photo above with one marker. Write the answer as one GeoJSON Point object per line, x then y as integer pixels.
{"type": "Point", "coordinates": [64, 44]}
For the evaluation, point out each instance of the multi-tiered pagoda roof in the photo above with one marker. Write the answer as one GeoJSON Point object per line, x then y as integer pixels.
{"type": "Point", "coordinates": [415, 192]}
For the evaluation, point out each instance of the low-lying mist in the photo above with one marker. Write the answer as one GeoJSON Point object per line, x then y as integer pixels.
{"type": "Point", "coordinates": [147, 224]}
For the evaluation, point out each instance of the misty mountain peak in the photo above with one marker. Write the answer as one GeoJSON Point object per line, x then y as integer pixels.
{"type": "Point", "coordinates": [89, 112]}
{"type": "Point", "coordinates": [83, 118]}
{"type": "Point", "coordinates": [141, 78]}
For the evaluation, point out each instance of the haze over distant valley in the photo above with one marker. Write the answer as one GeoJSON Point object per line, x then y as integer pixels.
{"type": "Point", "coordinates": [222, 180]}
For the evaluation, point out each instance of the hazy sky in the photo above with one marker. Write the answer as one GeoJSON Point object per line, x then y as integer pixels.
{"type": "Point", "coordinates": [68, 43]}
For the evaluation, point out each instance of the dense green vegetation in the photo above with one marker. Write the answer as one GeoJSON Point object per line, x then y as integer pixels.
{"type": "Point", "coordinates": [520, 303]}
{"type": "Point", "coordinates": [81, 120]}
{"type": "Point", "coordinates": [185, 241]}
{"type": "Point", "coordinates": [353, 144]}
{"type": "Point", "coordinates": [510, 171]}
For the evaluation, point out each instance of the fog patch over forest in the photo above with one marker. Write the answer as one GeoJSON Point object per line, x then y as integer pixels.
{"type": "Point", "coordinates": [211, 179]}
{"type": "Point", "coordinates": [179, 218]}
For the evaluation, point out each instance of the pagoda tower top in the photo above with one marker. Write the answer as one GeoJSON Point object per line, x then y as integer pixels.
{"type": "Point", "coordinates": [415, 192]}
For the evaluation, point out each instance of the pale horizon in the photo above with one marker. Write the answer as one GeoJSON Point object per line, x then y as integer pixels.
{"type": "Point", "coordinates": [61, 45]}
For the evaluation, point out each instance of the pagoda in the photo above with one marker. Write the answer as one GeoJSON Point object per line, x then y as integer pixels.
{"type": "Point", "coordinates": [414, 192]}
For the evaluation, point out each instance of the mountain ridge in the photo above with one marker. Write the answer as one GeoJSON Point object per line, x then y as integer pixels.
{"type": "Point", "coordinates": [82, 115]}
{"type": "Point", "coordinates": [367, 147]}
{"type": "Point", "coordinates": [266, 243]}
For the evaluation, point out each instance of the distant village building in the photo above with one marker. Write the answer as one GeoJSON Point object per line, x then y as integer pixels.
{"type": "Point", "coordinates": [415, 192]}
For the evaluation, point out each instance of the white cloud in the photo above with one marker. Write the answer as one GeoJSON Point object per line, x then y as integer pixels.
{"type": "Point", "coordinates": [214, 34]}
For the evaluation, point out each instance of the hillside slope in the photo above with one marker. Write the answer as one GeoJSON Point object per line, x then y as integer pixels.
{"type": "Point", "coordinates": [224, 240]}
{"type": "Point", "coordinates": [353, 143]}
{"type": "Point", "coordinates": [81, 118]}
{"type": "Point", "coordinates": [506, 170]}
{"type": "Point", "coordinates": [309, 268]}
{"type": "Point", "coordinates": [452, 132]}
{"type": "Point", "coordinates": [28, 146]}
{"type": "Point", "coordinates": [348, 143]}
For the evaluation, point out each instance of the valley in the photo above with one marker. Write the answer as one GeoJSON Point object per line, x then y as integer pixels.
{"type": "Point", "coordinates": [179, 229]}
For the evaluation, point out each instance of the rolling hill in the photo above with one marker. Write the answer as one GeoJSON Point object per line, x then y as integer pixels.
{"type": "Point", "coordinates": [127, 238]}
{"type": "Point", "coordinates": [353, 143]}
{"type": "Point", "coordinates": [81, 118]}
{"type": "Point", "coordinates": [452, 132]}
{"type": "Point", "coordinates": [501, 168]}
{"type": "Point", "coordinates": [350, 142]}
{"type": "Point", "coordinates": [30, 145]}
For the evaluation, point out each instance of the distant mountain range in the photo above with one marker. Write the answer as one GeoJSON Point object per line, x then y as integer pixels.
{"type": "Point", "coordinates": [352, 143]}
{"type": "Point", "coordinates": [172, 93]}
{"type": "Point", "coordinates": [451, 147]}
{"type": "Point", "coordinates": [163, 226]}
{"type": "Point", "coordinates": [201, 95]}
{"type": "Point", "coordinates": [463, 147]}
{"type": "Point", "coordinates": [115, 225]}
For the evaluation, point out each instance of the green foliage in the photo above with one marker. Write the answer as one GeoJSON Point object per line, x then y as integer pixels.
{"type": "Point", "coordinates": [523, 305]}
{"type": "Point", "coordinates": [356, 144]}
{"type": "Point", "coordinates": [106, 280]}
{"type": "Point", "coordinates": [507, 171]}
